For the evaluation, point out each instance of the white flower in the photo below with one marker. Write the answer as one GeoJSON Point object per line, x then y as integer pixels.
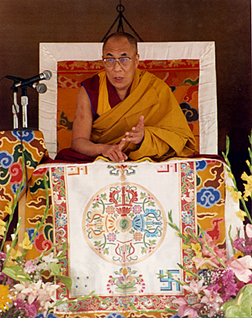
{"type": "Point", "coordinates": [47, 295]}
{"type": "Point", "coordinates": [32, 291]}
{"type": "Point", "coordinates": [47, 259]}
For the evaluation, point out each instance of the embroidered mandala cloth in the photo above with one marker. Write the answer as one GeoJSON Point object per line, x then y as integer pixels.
{"type": "Point", "coordinates": [113, 218]}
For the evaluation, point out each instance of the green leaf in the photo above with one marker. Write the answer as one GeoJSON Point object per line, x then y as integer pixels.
{"type": "Point", "coordinates": [97, 243]}
{"type": "Point", "coordinates": [17, 273]}
{"type": "Point", "coordinates": [66, 280]}
{"type": "Point", "coordinates": [170, 216]}
{"type": "Point", "coordinates": [241, 305]}
{"type": "Point", "coordinates": [105, 251]}
{"type": "Point", "coordinates": [143, 250]}
{"type": "Point", "coordinates": [238, 311]}
{"type": "Point", "coordinates": [55, 268]}
{"type": "Point", "coordinates": [152, 242]}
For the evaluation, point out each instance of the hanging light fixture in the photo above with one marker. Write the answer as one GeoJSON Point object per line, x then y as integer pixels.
{"type": "Point", "coordinates": [120, 9]}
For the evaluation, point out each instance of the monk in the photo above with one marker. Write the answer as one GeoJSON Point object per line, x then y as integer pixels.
{"type": "Point", "coordinates": [124, 113]}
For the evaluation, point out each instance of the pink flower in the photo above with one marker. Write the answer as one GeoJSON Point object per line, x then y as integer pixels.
{"type": "Point", "coordinates": [120, 279]}
{"type": "Point", "coordinates": [220, 252]}
{"type": "Point", "coordinates": [195, 287]}
{"type": "Point", "coordinates": [111, 237]}
{"type": "Point", "coordinates": [180, 301]}
{"type": "Point", "coordinates": [241, 267]}
{"type": "Point", "coordinates": [224, 284]}
{"type": "Point", "coordinates": [19, 303]}
{"type": "Point", "coordinates": [247, 249]}
{"type": "Point", "coordinates": [249, 230]}
{"type": "Point", "coordinates": [137, 209]}
{"type": "Point", "coordinates": [184, 309]}
{"type": "Point", "coordinates": [207, 254]}
{"type": "Point", "coordinates": [29, 267]}
{"type": "Point", "coordinates": [39, 295]}
{"type": "Point", "coordinates": [2, 256]}
{"type": "Point", "coordinates": [47, 295]}
{"type": "Point", "coordinates": [29, 290]}
{"type": "Point", "coordinates": [204, 262]}
{"type": "Point", "coordinates": [213, 301]}
{"type": "Point", "coordinates": [32, 309]}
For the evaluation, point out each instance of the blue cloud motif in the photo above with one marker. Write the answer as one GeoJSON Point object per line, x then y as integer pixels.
{"type": "Point", "coordinates": [201, 165]}
{"type": "Point", "coordinates": [115, 315]}
{"type": "Point", "coordinates": [208, 196]}
{"type": "Point", "coordinates": [14, 188]}
{"type": "Point", "coordinates": [190, 112]}
{"type": "Point", "coordinates": [30, 232]}
{"type": "Point", "coordinates": [48, 315]}
{"type": "Point", "coordinates": [27, 135]}
{"type": "Point", "coordinates": [6, 159]}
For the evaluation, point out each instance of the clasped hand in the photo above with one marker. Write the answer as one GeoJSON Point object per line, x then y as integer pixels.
{"type": "Point", "coordinates": [135, 136]}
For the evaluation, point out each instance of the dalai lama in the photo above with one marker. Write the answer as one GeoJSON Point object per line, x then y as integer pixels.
{"type": "Point", "coordinates": [124, 113]}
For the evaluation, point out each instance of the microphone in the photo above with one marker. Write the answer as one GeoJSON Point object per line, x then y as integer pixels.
{"type": "Point", "coordinates": [40, 88]}
{"type": "Point", "coordinates": [14, 78]}
{"type": "Point", "coordinates": [46, 75]}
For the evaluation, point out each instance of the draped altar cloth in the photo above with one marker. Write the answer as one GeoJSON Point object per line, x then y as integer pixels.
{"type": "Point", "coordinates": [12, 143]}
{"type": "Point", "coordinates": [113, 218]}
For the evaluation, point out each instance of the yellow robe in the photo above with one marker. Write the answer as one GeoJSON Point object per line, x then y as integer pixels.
{"type": "Point", "coordinates": [167, 133]}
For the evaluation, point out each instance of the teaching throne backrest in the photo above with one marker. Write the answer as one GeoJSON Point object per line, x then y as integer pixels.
{"type": "Point", "coordinates": [188, 68]}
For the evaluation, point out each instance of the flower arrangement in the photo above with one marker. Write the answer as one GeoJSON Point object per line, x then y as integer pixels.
{"type": "Point", "coordinates": [24, 291]}
{"type": "Point", "coordinates": [218, 287]}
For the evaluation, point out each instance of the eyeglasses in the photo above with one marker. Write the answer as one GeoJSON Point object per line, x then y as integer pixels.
{"type": "Point", "coordinates": [111, 61]}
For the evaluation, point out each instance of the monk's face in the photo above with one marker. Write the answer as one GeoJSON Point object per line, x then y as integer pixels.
{"type": "Point", "coordinates": [120, 76]}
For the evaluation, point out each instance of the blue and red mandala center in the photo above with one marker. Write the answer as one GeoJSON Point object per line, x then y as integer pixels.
{"type": "Point", "coordinates": [124, 223]}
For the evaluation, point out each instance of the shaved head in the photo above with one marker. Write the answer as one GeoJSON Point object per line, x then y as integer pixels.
{"type": "Point", "coordinates": [118, 36]}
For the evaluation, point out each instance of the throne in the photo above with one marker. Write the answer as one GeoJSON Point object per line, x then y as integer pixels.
{"type": "Point", "coordinates": [188, 68]}
{"type": "Point", "coordinates": [113, 217]}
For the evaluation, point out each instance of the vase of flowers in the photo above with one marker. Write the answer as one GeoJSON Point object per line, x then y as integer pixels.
{"type": "Point", "coordinates": [23, 289]}
{"type": "Point", "coordinates": [219, 287]}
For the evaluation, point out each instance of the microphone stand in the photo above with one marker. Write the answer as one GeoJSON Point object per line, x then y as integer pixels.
{"type": "Point", "coordinates": [23, 84]}
{"type": "Point", "coordinates": [24, 104]}
{"type": "Point", "coordinates": [15, 108]}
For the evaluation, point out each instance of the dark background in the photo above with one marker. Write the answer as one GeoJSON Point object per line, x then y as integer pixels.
{"type": "Point", "coordinates": [24, 24]}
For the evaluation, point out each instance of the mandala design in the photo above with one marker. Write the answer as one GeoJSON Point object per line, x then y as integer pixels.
{"type": "Point", "coordinates": [124, 223]}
